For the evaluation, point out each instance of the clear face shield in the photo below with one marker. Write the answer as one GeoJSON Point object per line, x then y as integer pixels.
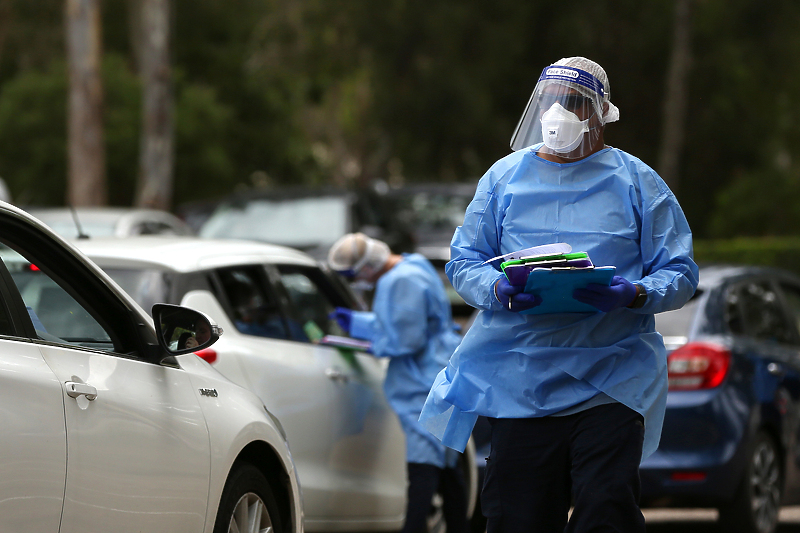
{"type": "Point", "coordinates": [565, 112]}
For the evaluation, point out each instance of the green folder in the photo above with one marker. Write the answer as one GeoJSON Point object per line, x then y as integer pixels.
{"type": "Point", "coordinates": [541, 258]}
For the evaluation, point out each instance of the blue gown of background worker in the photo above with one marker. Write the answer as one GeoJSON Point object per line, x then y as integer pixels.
{"type": "Point", "coordinates": [411, 324]}
{"type": "Point", "coordinates": [512, 365]}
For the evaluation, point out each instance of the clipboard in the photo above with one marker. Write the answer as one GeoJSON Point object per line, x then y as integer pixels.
{"type": "Point", "coordinates": [517, 271]}
{"type": "Point", "coordinates": [348, 343]}
{"type": "Point", "coordinates": [556, 285]}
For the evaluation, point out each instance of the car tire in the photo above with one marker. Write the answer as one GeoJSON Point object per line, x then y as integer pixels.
{"type": "Point", "coordinates": [247, 504]}
{"type": "Point", "coordinates": [756, 504]}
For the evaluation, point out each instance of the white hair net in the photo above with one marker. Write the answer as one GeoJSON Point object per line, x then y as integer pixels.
{"type": "Point", "coordinates": [612, 115]}
{"type": "Point", "coordinates": [351, 253]}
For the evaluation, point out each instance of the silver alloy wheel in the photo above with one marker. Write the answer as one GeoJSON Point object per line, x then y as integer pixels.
{"type": "Point", "coordinates": [250, 515]}
{"type": "Point", "coordinates": [764, 481]}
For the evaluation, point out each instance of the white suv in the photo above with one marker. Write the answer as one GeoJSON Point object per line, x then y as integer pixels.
{"type": "Point", "coordinates": [108, 428]}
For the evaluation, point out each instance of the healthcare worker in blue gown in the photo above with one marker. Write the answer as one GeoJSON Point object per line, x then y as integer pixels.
{"type": "Point", "coordinates": [411, 324]}
{"type": "Point", "coordinates": [575, 400]}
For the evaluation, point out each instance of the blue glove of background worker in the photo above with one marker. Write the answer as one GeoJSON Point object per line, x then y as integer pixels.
{"type": "Point", "coordinates": [512, 297]}
{"type": "Point", "coordinates": [620, 293]}
{"type": "Point", "coordinates": [344, 317]}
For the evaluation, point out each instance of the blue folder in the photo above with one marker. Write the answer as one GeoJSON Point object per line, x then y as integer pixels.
{"type": "Point", "coordinates": [556, 286]}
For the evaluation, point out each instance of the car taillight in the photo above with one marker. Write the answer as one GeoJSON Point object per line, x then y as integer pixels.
{"type": "Point", "coordinates": [208, 354]}
{"type": "Point", "coordinates": [688, 476]}
{"type": "Point", "coordinates": [697, 365]}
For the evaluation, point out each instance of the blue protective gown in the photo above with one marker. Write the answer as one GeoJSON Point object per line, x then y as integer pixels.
{"type": "Point", "coordinates": [411, 324]}
{"type": "Point", "coordinates": [510, 365]}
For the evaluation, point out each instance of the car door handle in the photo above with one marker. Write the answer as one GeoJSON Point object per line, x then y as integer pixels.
{"type": "Point", "coordinates": [334, 374]}
{"type": "Point", "coordinates": [80, 389]}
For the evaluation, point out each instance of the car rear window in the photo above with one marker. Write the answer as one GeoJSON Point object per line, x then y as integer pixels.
{"type": "Point", "coordinates": [674, 325]}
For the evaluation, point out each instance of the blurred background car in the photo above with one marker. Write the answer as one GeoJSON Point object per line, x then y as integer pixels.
{"type": "Point", "coordinates": [109, 221]}
{"type": "Point", "coordinates": [274, 304]}
{"type": "Point", "coordinates": [730, 437]}
{"type": "Point", "coordinates": [306, 219]}
{"type": "Point", "coordinates": [433, 211]}
{"type": "Point", "coordinates": [105, 427]}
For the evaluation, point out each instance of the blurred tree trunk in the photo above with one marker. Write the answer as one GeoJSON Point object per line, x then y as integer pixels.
{"type": "Point", "coordinates": [156, 156]}
{"type": "Point", "coordinates": [86, 182]}
{"type": "Point", "coordinates": [674, 121]}
{"type": "Point", "coordinates": [5, 23]}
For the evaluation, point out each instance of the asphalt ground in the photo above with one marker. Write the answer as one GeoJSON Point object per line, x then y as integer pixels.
{"type": "Point", "coordinates": [704, 520]}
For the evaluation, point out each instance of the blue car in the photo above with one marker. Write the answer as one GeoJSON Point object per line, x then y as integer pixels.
{"type": "Point", "coordinates": [730, 437]}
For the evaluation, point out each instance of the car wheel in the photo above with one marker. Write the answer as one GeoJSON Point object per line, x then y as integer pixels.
{"type": "Point", "coordinates": [247, 504]}
{"type": "Point", "coordinates": [756, 505]}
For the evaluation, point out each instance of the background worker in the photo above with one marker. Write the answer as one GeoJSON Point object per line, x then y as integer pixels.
{"type": "Point", "coordinates": [411, 324]}
{"type": "Point", "coordinates": [575, 400]}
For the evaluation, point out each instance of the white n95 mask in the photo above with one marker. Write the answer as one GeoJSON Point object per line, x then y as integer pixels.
{"type": "Point", "coordinates": [562, 130]}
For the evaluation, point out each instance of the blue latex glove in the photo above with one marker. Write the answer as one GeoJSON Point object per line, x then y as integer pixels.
{"type": "Point", "coordinates": [512, 297]}
{"type": "Point", "coordinates": [344, 317]}
{"type": "Point", "coordinates": [620, 293]}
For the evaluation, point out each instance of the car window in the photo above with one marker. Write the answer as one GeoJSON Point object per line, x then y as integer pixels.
{"type": "Point", "coordinates": [6, 324]}
{"type": "Point", "coordinates": [792, 296]}
{"type": "Point", "coordinates": [675, 325]}
{"type": "Point", "coordinates": [56, 315]}
{"type": "Point", "coordinates": [753, 309]}
{"type": "Point", "coordinates": [433, 210]}
{"type": "Point", "coordinates": [312, 300]}
{"type": "Point", "coordinates": [252, 308]}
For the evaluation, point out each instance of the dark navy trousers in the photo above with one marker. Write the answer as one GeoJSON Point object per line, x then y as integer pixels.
{"type": "Point", "coordinates": [423, 482]}
{"type": "Point", "coordinates": [537, 467]}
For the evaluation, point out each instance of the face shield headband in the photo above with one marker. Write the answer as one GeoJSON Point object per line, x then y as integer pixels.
{"type": "Point", "coordinates": [374, 252]}
{"type": "Point", "coordinates": [565, 112]}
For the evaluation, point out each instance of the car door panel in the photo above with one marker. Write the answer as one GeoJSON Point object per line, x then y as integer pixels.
{"type": "Point", "coordinates": [126, 419]}
{"type": "Point", "coordinates": [368, 454]}
{"type": "Point", "coordinates": [144, 427]}
{"type": "Point", "coordinates": [347, 445]}
{"type": "Point", "coordinates": [33, 462]}
{"type": "Point", "coordinates": [368, 450]}
{"type": "Point", "coordinates": [788, 396]}
{"type": "Point", "coordinates": [290, 380]}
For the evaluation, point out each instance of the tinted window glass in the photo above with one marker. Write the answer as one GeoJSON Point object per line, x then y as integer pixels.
{"type": "Point", "coordinates": [755, 310]}
{"type": "Point", "coordinates": [6, 326]}
{"type": "Point", "coordinates": [252, 308]}
{"type": "Point", "coordinates": [311, 299]}
{"type": "Point", "coordinates": [56, 315]}
{"type": "Point", "coordinates": [792, 294]}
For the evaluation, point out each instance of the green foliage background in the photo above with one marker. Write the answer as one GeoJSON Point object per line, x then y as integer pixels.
{"type": "Point", "coordinates": [343, 92]}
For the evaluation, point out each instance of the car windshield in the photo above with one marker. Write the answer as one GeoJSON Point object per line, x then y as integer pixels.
{"type": "Point", "coordinates": [147, 286]}
{"type": "Point", "coordinates": [300, 222]}
{"type": "Point", "coordinates": [674, 325]}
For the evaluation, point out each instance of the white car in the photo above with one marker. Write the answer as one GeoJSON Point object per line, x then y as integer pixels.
{"type": "Point", "coordinates": [274, 303]}
{"type": "Point", "coordinates": [107, 428]}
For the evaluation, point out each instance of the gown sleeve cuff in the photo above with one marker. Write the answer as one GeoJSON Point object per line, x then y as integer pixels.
{"type": "Point", "coordinates": [362, 325]}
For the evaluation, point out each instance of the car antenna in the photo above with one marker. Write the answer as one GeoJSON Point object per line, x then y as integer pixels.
{"type": "Point", "coordinates": [81, 234]}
